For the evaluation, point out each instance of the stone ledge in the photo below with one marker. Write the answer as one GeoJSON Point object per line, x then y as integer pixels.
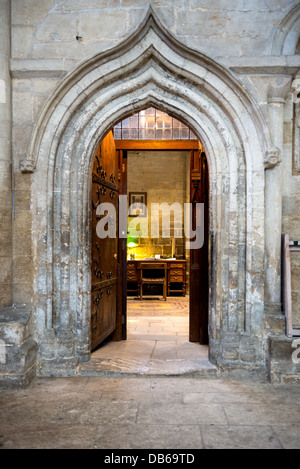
{"type": "Point", "coordinates": [281, 368]}
{"type": "Point", "coordinates": [15, 381]}
{"type": "Point", "coordinates": [129, 367]}
{"type": "Point", "coordinates": [58, 68]}
{"type": "Point", "coordinates": [241, 370]}
{"type": "Point", "coordinates": [18, 350]}
{"type": "Point", "coordinates": [15, 324]}
{"type": "Point", "coordinates": [274, 324]}
{"type": "Point", "coordinates": [285, 64]}
{"type": "Point", "coordinates": [40, 68]}
{"type": "Point", "coordinates": [58, 368]}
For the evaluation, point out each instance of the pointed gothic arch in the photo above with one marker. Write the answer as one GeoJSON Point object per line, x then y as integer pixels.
{"type": "Point", "coordinates": [285, 37]}
{"type": "Point", "coordinates": [150, 68]}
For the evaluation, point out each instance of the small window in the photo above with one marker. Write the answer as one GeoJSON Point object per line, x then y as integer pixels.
{"type": "Point", "coordinates": [152, 124]}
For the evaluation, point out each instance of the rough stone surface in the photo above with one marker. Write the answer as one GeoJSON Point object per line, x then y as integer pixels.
{"type": "Point", "coordinates": [69, 71]}
{"type": "Point", "coordinates": [18, 349]}
{"type": "Point", "coordinates": [283, 360]}
{"type": "Point", "coordinates": [153, 413]}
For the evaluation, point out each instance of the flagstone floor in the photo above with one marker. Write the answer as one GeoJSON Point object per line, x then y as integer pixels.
{"type": "Point", "coordinates": [157, 343]}
{"type": "Point", "coordinates": [171, 413]}
{"type": "Point", "coordinates": [151, 392]}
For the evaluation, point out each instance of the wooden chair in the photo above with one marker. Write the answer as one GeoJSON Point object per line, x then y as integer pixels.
{"type": "Point", "coordinates": [158, 280]}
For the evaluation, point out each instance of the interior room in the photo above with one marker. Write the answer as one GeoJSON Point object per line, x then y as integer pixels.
{"type": "Point", "coordinates": [157, 178]}
{"type": "Point", "coordinates": [157, 151]}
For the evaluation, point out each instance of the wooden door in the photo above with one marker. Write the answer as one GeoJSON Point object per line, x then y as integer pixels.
{"type": "Point", "coordinates": [121, 333]}
{"type": "Point", "coordinates": [199, 193]}
{"type": "Point", "coordinates": [105, 306]}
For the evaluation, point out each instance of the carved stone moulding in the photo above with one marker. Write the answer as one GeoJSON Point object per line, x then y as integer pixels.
{"type": "Point", "coordinates": [272, 158]}
{"type": "Point", "coordinates": [296, 142]}
{"type": "Point", "coordinates": [27, 166]}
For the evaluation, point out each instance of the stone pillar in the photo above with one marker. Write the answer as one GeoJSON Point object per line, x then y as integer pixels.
{"type": "Point", "coordinates": [5, 159]}
{"type": "Point", "coordinates": [277, 92]}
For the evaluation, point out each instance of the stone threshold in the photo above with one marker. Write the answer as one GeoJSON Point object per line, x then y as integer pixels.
{"type": "Point", "coordinates": [97, 367]}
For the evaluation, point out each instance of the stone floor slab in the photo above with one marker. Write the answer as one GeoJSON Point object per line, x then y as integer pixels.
{"type": "Point", "coordinates": [239, 437]}
{"type": "Point", "coordinates": [289, 435]}
{"type": "Point", "coordinates": [150, 437]}
{"type": "Point", "coordinates": [157, 344]}
{"type": "Point", "coordinates": [150, 413]}
{"type": "Point", "coordinates": [174, 413]}
{"type": "Point", "coordinates": [55, 436]}
{"type": "Point", "coordinates": [262, 414]}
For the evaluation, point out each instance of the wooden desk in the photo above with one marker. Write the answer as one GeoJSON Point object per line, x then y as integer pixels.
{"type": "Point", "coordinates": [176, 273]}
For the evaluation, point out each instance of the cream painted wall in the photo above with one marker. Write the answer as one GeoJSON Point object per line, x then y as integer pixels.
{"type": "Point", "coordinates": [162, 175]}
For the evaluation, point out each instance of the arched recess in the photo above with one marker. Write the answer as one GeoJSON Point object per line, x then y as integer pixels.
{"type": "Point", "coordinates": [151, 68]}
{"type": "Point", "coordinates": [285, 37]}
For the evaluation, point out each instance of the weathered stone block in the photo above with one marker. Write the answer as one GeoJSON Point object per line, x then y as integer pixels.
{"type": "Point", "coordinates": [81, 5]}
{"type": "Point", "coordinates": [283, 360]}
{"type": "Point", "coordinates": [23, 107]}
{"type": "Point", "coordinates": [5, 295]}
{"type": "Point", "coordinates": [274, 324]}
{"type": "Point", "coordinates": [58, 367]}
{"type": "Point", "coordinates": [5, 271]}
{"type": "Point", "coordinates": [19, 351]}
{"type": "Point", "coordinates": [30, 12]}
{"type": "Point", "coordinates": [134, 4]}
{"type": "Point", "coordinates": [16, 324]}
{"type": "Point", "coordinates": [5, 242]}
{"type": "Point", "coordinates": [22, 38]}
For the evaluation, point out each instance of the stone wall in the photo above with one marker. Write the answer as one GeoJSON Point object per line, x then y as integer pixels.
{"type": "Point", "coordinates": [68, 90]}
{"type": "Point", "coordinates": [291, 196]}
{"type": "Point", "coordinates": [5, 160]}
{"type": "Point", "coordinates": [219, 28]}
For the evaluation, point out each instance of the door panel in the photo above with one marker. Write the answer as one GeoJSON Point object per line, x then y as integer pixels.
{"type": "Point", "coordinates": [121, 333]}
{"type": "Point", "coordinates": [105, 256]}
{"type": "Point", "coordinates": [199, 193]}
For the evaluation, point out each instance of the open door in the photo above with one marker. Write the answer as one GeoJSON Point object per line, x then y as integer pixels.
{"type": "Point", "coordinates": [106, 274]}
{"type": "Point", "coordinates": [199, 193]}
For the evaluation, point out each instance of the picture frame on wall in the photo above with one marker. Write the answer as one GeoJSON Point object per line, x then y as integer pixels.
{"type": "Point", "coordinates": [137, 204]}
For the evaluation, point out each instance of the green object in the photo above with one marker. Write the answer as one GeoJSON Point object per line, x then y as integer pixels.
{"type": "Point", "coordinates": [132, 245]}
{"type": "Point", "coordinates": [132, 242]}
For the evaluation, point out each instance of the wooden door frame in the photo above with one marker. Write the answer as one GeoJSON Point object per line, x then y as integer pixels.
{"type": "Point", "coordinates": [121, 327]}
{"type": "Point", "coordinates": [199, 258]}
{"type": "Point", "coordinates": [198, 316]}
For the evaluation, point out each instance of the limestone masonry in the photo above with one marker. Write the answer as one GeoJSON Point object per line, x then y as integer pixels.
{"type": "Point", "coordinates": [69, 71]}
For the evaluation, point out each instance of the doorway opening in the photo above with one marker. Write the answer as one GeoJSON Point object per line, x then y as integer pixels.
{"type": "Point", "coordinates": [150, 281]}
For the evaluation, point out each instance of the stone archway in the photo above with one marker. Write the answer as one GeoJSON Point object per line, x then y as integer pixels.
{"type": "Point", "coordinates": [151, 68]}
{"type": "Point", "coordinates": [285, 37]}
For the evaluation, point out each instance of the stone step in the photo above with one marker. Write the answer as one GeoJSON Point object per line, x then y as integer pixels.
{"type": "Point", "coordinates": [18, 352]}
{"type": "Point", "coordinates": [146, 368]}
{"type": "Point", "coordinates": [283, 360]}
{"type": "Point", "coordinates": [15, 325]}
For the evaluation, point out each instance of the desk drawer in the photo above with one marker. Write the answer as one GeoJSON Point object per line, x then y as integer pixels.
{"type": "Point", "coordinates": [176, 271]}
{"type": "Point", "coordinates": [176, 278]}
{"type": "Point", "coordinates": [131, 278]}
{"type": "Point", "coordinates": [131, 271]}
{"type": "Point", "coordinates": [176, 266]}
